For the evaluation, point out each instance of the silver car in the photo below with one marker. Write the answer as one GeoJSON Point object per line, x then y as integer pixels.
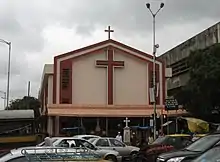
{"type": "Point", "coordinates": [27, 154]}
{"type": "Point", "coordinates": [72, 142]}
{"type": "Point", "coordinates": [86, 136]}
{"type": "Point", "coordinates": [113, 144]}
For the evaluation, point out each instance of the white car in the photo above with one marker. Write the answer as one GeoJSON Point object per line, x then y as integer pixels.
{"type": "Point", "coordinates": [71, 142]}
{"type": "Point", "coordinates": [86, 136]}
{"type": "Point", "coordinates": [27, 154]}
{"type": "Point", "coordinates": [127, 152]}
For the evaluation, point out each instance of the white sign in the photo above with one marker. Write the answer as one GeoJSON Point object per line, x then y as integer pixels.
{"type": "Point", "coordinates": [127, 135]}
{"type": "Point", "coordinates": [151, 91]}
{"type": "Point", "coordinates": [151, 122]}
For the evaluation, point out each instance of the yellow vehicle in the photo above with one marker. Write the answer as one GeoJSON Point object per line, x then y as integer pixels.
{"type": "Point", "coordinates": [18, 129]}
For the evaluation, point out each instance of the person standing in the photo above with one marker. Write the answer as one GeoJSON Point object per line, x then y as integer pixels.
{"type": "Point", "coordinates": [48, 141]}
{"type": "Point", "coordinates": [119, 137]}
{"type": "Point", "coordinates": [150, 139]}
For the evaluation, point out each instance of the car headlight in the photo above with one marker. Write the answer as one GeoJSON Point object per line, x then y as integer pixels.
{"type": "Point", "coordinates": [177, 159]}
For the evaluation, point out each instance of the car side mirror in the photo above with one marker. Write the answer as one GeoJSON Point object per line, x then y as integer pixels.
{"type": "Point", "coordinates": [96, 148]}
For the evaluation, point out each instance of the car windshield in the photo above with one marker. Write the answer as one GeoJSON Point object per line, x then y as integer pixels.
{"type": "Point", "coordinates": [87, 137]}
{"type": "Point", "coordinates": [210, 156]}
{"type": "Point", "coordinates": [91, 140]}
{"type": "Point", "coordinates": [160, 140]}
{"type": "Point", "coordinates": [203, 143]}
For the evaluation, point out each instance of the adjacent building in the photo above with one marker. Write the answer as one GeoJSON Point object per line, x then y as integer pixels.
{"type": "Point", "coordinates": [176, 58]}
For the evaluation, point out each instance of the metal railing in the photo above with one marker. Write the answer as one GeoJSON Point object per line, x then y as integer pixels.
{"type": "Point", "coordinates": [59, 154]}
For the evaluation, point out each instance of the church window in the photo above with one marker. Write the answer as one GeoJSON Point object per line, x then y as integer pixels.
{"type": "Point", "coordinates": [65, 78]}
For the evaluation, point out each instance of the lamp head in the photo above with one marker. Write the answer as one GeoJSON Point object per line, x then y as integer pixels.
{"type": "Point", "coordinates": [156, 46]}
{"type": "Point", "coordinates": [148, 5]}
{"type": "Point", "coordinates": [161, 5]}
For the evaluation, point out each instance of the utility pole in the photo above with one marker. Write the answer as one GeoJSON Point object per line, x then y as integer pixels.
{"type": "Point", "coordinates": [155, 46]}
{"type": "Point", "coordinates": [9, 67]}
{"type": "Point", "coordinates": [29, 86]}
{"type": "Point", "coordinates": [4, 98]}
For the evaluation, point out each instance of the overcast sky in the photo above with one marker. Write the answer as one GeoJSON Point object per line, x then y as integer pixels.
{"type": "Point", "coordinates": [41, 29]}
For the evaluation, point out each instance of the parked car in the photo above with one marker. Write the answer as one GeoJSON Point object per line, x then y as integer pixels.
{"type": "Point", "coordinates": [72, 142]}
{"type": "Point", "coordinates": [192, 151]}
{"type": "Point", "coordinates": [211, 155]}
{"type": "Point", "coordinates": [177, 141]}
{"type": "Point", "coordinates": [198, 136]}
{"type": "Point", "coordinates": [86, 137]}
{"type": "Point", "coordinates": [27, 154]}
{"type": "Point", "coordinates": [163, 144]}
{"type": "Point", "coordinates": [127, 152]}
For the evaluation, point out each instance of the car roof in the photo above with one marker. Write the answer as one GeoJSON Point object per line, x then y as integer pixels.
{"type": "Point", "coordinates": [178, 135]}
{"type": "Point", "coordinates": [200, 135]}
{"type": "Point", "coordinates": [86, 135]}
{"type": "Point", "coordinates": [57, 138]}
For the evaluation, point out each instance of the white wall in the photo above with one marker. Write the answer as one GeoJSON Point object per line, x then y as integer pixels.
{"type": "Point", "coordinates": [130, 82]}
{"type": "Point", "coordinates": [89, 82]}
{"type": "Point", "coordinates": [50, 90]}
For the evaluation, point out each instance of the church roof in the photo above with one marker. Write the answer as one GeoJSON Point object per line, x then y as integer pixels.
{"type": "Point", "coordinates": [116, 43]}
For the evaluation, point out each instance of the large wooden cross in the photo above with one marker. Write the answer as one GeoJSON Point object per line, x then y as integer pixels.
{"type": "Point", "coordinates": [110, 64]}
{"type": "Point", "coordinates": [109, 32]}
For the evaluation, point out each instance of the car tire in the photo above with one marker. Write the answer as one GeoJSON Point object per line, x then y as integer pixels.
{"type": "Point", "coordinates": [111, 158]}
{"type": "Point", "coordinates": [133, 155]}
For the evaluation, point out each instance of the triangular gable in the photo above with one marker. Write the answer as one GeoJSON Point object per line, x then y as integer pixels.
{"type": "Point", "coordinates": [104, 44]}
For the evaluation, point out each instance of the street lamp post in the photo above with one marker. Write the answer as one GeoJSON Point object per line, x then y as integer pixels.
{"type": "Point", "coordinates": [155, 46]}
{"type": "Point", "coordinates": [4, 98]}
{"type": "Point", "coordinates": [9, 66]}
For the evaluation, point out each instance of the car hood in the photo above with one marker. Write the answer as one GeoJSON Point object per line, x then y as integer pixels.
{"type": "Point", "coordinates": [104, 152]}
{"type": "Point", "coordinates": [180, 153]}
{"type": "Point", "coordinates": [133, 148]}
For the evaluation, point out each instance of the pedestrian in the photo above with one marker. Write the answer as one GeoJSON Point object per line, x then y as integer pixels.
{"type": "Point", "coordinates": [150, 139]}
{"type": "Point", "coordinates": [161, 134]}
{"type": "Point", "coordinates": [119, 137]}
{"type": "Point", "coordinates": [48, 141]}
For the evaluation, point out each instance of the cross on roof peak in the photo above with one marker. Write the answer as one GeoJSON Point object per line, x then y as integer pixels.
{"type": "Point", "coordinates": [109, 32]}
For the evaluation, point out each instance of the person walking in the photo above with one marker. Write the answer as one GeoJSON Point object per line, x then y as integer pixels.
{"type": "Point", "coordinates": [150, 139]}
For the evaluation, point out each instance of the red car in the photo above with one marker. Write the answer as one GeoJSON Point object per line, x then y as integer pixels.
{"type": "Point", "coordinates": [164, 144]}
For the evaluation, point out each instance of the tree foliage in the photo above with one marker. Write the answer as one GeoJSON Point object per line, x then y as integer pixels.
{"type": "Point", "coordinates": [26, 103]}
{"type": "Point", "coordinates": [201, 95]}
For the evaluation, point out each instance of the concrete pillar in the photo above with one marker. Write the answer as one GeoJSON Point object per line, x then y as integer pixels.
{"type": "Point", "coordinates": [50, 125]}
{"type": "Point", "coordinates": [106, 126]}
{"type": "Point", "coordinates": [57, 125]}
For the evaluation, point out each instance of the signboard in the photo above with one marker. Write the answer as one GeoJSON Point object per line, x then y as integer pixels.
{"type": "Point", "coordinates": [127, 137]}
{"type": "Point", "coordinates": [171, 104]}
{"type": "Point", "coordinates": [151, 122]}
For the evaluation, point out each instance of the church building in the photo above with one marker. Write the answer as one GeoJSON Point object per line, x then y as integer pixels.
{"type": "Point", "coordinates": [98, 86]}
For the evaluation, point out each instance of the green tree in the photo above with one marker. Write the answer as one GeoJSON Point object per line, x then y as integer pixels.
{"type": "Point", "coordinates": [201, 95]}
{"type": "Point", "coordinates": [26, 103]}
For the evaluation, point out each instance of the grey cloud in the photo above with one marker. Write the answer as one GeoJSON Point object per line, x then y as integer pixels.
{"type": "Point", "coordinates": [132, 15]}
{"type": "Point", "coordinates": [22, 22]}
